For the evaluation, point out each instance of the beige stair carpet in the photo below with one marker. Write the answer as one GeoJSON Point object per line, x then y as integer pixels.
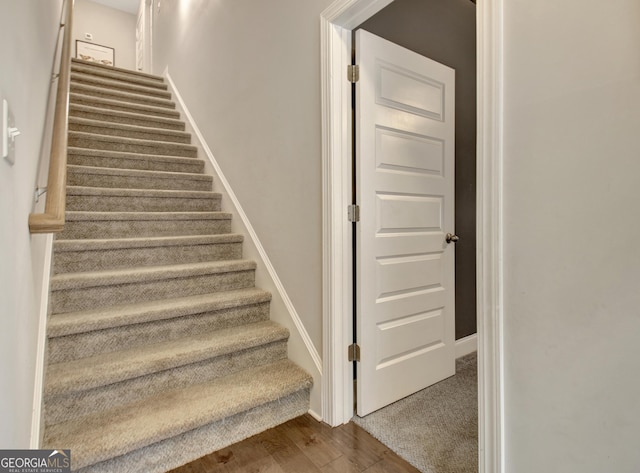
{"type": "Point", "coordinates": [160, 347]}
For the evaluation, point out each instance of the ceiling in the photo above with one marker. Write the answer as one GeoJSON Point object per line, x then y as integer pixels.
{"type": "Point", "coordinates": [129, 6]}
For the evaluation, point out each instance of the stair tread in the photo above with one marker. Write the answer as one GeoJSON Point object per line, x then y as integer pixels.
{"type": "Point", "coordinates": [128, 155]}
{"type": "Point", "coordinates": [127, 128]}
{"type": "Point", "coordinates": [113, 243]}
{"type": "Point", "coordinates": [116, 69]}
{"type": "Point", "coordinates": [124, 139]}
{"type": "Point", "coordinates": [81, 215]}
{"type": "Point", "coordinates": [141, 108]}
{"type": "Point", "coordinates": [77, 168]}
{"type": "Point", "coordinates": [124, 192]}
{"type": "Point", "coordinates": [155, 82]}
{"type": "Point", "coordinates": [75, 107]}
{"type": "Point", "coordinates": [108, 368]}
{"type": "Point", "coordinates": [122, 430]}
{"type": "Point", "coordinates": [117, 316]}
{"type": "Point", "coordinates": [146, 273]}
{"type": "Point", "coordinates": [121, 95]}
{"type": "Point", "coordinates": [98, 81]}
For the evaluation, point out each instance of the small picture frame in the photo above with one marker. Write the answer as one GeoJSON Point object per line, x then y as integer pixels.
{"type": "Point", "coordinates": [95, 53]}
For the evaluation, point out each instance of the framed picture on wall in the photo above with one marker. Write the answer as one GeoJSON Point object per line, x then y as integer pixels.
{"type": "Point", "coordinates": [95, 53]}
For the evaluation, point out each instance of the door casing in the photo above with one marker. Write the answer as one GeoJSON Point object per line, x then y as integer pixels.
{"type": "Point", "coordinates": [337, 23]}
{"type": "Point", "coordinates": [144, 37]}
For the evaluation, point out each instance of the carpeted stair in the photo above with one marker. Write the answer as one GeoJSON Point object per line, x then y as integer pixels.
{"type": "Point", "coordinates": [160, 347]}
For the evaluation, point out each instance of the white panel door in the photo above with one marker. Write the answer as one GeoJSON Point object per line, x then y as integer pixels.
{"type": "Point", "coordinates": [405, 189]}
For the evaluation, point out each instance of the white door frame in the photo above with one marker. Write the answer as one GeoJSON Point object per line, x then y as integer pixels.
{"type": "Point", "coordinates": [145, 11]}
{"type": "Point", "coordinates": [337, 22]}
{"type": "Point", "coordinates": [148, 63]}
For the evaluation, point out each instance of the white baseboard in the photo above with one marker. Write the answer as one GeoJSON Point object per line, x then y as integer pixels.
{"type": "Point", "coordinates": [315, 415]}
{"type": "Point", "coordinates": [38, 385]}
{"type": "Point", "coordinates": [466, 345]}
{"type": "Point", "coordinates": [301, 349]}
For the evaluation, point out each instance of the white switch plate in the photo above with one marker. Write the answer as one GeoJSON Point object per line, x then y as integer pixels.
{"type": "Point", "coordinates": [5, 126]}
{"type": "Point", "coordinates": [8, 145]}
{"type": "Point", "coordinates": [88, 36]}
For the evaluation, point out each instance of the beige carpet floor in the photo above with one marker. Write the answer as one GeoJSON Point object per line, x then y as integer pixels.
{"type": "Point", "coordinates": [436, 429]}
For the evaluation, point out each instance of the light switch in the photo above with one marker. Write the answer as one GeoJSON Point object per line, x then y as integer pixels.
{"type": "Point", "coordinates": [9, 133]}
{"type": "Point", "coordinates": [88, 36]}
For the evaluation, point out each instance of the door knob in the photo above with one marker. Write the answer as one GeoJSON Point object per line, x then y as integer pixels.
{"type": "Point", "coordinates": [452, 238]}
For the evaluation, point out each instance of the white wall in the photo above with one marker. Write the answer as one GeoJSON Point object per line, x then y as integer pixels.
{"type": "Point", "coordinates": [572, 236]}
{"type": "Point", "coordinates": [28, 31]}
{"type": "Point", "coordinates": [110, 27]}
{"type": "Point", "coordinates": [249, 72]}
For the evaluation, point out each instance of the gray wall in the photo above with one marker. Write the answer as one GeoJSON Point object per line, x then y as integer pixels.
{"type": "Point", "coordinates": [571, 231]}
{"type": "Point", "coordinates": [444, 30]}
{"type": "Point", "coordinates": [28, 31]}
{"type": "Point", "coordinates": [249, 72]}
{"type": "Point", "coordinates": [110, 27]}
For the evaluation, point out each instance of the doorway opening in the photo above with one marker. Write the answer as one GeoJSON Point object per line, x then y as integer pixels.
{"type": "Point", "coordinates": [405, 285]}
{"type": "Point", "coordinates": [337, 23]}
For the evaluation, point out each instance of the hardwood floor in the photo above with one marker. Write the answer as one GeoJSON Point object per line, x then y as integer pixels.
{"type": "Point", "coordinates": [303, 445]}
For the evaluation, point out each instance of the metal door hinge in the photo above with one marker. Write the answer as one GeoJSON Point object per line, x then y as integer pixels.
{"type": "Point", "coordinates": [353, 213]}
{"type": "Point", "coordinates": [353, 73]}
{"type": "Point", "coordinates": [354, 352]}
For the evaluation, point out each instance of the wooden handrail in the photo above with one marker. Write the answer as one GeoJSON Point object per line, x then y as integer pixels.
{"type": "Point", "coordinates": [53, 218]}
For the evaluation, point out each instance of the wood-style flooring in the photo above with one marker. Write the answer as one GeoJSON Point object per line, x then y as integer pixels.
{"type": "Point", "coordinates": [304, 445]}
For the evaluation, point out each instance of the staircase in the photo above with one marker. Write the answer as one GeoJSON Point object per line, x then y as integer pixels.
{"type": "Point", "coordinates": [160, 347]}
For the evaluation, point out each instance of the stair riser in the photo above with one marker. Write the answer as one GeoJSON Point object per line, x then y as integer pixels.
{"type": "Point", "coordinates": [179, 450]}
{"type": "Point", "coordinates": [135, 182]}
{"type": "Point", "coordinates": [68, 300]}
{"type": "Point", "coordinates": [163, 149]}
{"type": "Point", "coordinates": [140, 134]}
{"type": "Point", "coordinates": [125, 78]}
{"type": "Point", "coordinates": [62, 408]}
{"type": "Point", "coordinates": [71, 347]}
{"type": "Point", "coordinates": [191, 165]}
{"type": "Point", "coordinates": [79, 261]}
{"type": "Point", "coordinates": [121, 78]}
{"type": "Point", "coordinates": [126, 120]}
{"type": "Point", "coordinates": [103, 203]}
{"type": "Point", "coordinates": [122, 96]}
{"type": "Point", "coordinates": [123, 106]}
{"type": "Point", "coordinates": [123, 86]}
{"type": "Point", "coordinates": [146, 228]}
{"type": "Point", "coordinates": [126, 75]}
